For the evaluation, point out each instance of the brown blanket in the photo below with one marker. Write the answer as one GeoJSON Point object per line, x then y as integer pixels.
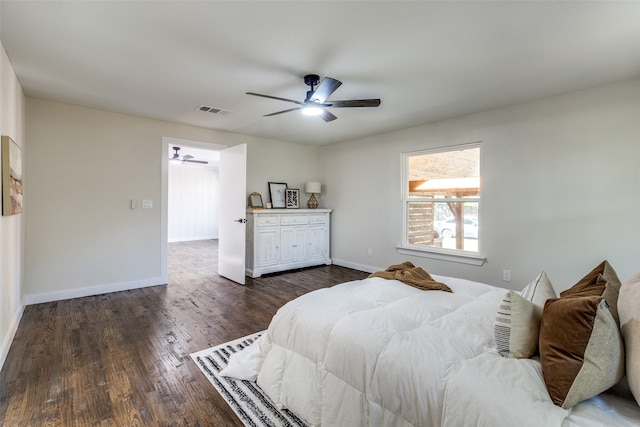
{"type": "Point", "coordinates": [411, 275]}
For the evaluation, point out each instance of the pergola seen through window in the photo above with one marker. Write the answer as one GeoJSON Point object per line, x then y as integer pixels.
{"type": "Point", "coordinates": [441, 198]}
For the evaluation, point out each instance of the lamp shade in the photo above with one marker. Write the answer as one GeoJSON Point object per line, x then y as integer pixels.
{"type": "Point", "coordinates": [313, 187]}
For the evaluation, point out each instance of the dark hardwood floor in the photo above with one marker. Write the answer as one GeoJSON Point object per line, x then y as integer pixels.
{"type": "Point", "coordinates": [122, 359]}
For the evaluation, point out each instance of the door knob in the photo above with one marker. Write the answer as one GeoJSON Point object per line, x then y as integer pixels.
{"type": "Point", "coordinates": [241, 220]}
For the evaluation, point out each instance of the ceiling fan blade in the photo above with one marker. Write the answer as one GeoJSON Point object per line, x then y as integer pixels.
{"type": "Point", "coordinates": [204, 162]}
{"type": "Point", "coordinates": [275, 97]}
{"type": "Point", "coordinates": [283, 111]}
{"type": "Point", "coordinates": [187, 157]}
{"type": "Point", "coordinates": [325, 89]}
{"type": "Point", "coordinates": [355, 103]}
{"type": "Point", "coordinates": [327, 116]}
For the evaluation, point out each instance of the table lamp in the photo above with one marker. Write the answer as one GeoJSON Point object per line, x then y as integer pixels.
{"type": "Point", "coordinates": [312, 188]}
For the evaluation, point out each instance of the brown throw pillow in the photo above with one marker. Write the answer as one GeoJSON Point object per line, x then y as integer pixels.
{"type": "Point", "coordinates": [603, 281]}
{"type": "Point", "coordinates": [581, 349]}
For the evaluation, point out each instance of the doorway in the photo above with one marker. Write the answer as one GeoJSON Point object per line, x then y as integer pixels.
{"type": "Point", "coordinates": [195, 151]}
{"type": "Point", "coordinates": [193, 194]}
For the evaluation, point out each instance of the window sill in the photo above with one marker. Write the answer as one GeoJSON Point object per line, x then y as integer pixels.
{"type": "Point", "coordinates": [459, 257]}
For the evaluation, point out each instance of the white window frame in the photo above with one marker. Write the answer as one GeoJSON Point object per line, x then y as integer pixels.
{"type": "Point", "coordinates": [443, 254]}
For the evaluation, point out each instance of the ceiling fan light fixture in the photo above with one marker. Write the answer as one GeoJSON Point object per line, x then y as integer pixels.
{"type": "Point", "coordinates": [316, 104]}
{"type": "Point", "coordinates": [312, 111]}
{"type": "Point", "coordinates": [176, 158]}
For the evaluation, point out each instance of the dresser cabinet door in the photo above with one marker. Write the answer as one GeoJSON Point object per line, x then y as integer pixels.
{"type": "Point", "coordinates": [293, 241]}
{"type": "Point", "coordinates": [316, 239]}
{"type": "Point", "coordinates": [267, 243]}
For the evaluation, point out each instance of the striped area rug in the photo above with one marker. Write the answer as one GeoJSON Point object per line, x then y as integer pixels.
{"type": "Point", "coordinates": [244, 397]}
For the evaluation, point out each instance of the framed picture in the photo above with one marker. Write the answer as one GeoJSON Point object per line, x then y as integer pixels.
{"type": "Point", "coordinates": [255, 201]}
{"type": "Point", "coordinates": [11, 177]}
{"type": "Point", "coordinates": [276, 192]}
{"type": "Point", "coordinates": [293, 198]}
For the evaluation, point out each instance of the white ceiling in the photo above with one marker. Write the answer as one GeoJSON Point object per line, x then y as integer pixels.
{"type": "Point", "coordinates": [425, 60]}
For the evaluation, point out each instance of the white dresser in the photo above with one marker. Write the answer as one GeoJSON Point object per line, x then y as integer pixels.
{"type": "Point", "coordinates": [284, 239]}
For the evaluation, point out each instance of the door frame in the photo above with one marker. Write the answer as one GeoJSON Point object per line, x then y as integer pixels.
{"type": "Point", "coordinates": [164, 194]}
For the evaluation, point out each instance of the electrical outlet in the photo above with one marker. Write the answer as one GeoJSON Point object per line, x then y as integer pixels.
{"type": "Point", "coordinates": [506, 275]}
{"type": "Point", "coordinates": [369, 252]}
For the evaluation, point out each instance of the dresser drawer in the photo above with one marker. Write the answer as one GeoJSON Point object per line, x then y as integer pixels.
{"type": "Point", "coordinates": [294, 219]}
{"type": "Point", "coordinates": [267, 220]}
{"type": "Point", "coordinates": [317, 219]}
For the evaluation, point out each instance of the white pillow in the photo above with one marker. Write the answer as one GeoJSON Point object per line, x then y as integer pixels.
{"type": "Point", "coordinates": [517, 324]}
{"type": "Point", "coordinates": [539, 291]}
{"type": "Point", "coordinates": [244, 364]}
{"type": "Point", "coordinates": [629, 312]}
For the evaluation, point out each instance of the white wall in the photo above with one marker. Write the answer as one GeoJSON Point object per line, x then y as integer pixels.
{"type": "Point", "coordinates": [12, 123]}
{"type": "Point", "coordinates": [546, 166]}
{"type": "Point", "coordinates": [84, 166]}
{"type": "Point", "coordinates": [293, 164]}
{"type": "Point", "coordinates": [193, 202]}
{"type": "Point", "coordinates": [560, 188]}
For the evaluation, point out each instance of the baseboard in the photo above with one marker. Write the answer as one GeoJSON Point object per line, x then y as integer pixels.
{"type": "Point", "coordinates": [8, 339]}
{"type": "Point", "coordinates": [361, 267]}
{"type": "Point", "coordinates": [191, 239]}
{"type": "Point", "coordinates": [29, 299]}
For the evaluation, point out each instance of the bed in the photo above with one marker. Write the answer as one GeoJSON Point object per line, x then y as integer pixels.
{"type": "Point", "coordinates": [377, 352]}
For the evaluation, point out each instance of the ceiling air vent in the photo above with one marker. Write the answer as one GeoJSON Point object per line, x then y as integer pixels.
{"type": "Point", "coordinates": [208, 109]}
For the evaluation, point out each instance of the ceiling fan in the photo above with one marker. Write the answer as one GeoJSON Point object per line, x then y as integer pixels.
{"type": "Point", "coordinates": [316, 104]}
{"type": "Point", "coordinates": [186, 158]}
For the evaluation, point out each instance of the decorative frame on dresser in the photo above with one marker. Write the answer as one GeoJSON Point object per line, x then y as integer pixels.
{"type": "Point", "coordinates": [281, 239]}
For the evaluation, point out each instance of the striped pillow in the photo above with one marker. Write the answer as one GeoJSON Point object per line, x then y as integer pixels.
{"type": "Point", "coordinates": [517, 322]}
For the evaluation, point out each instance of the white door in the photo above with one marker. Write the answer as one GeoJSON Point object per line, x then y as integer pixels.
{"type": "Point", "coordinates": [233, 211]}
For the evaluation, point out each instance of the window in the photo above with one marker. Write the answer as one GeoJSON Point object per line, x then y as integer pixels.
{"type": "Point", "coordinates": [441, 198]}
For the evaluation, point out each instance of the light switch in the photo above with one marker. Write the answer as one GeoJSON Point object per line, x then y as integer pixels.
{"type": "Point", "coordinates": [147, 204]}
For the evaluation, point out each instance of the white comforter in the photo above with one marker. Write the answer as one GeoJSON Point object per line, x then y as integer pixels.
{"type": "Point", "coordinates": [377, 352]}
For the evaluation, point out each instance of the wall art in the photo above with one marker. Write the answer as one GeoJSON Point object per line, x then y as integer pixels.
{"type": "Point", "coordinates": [11, 177]}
